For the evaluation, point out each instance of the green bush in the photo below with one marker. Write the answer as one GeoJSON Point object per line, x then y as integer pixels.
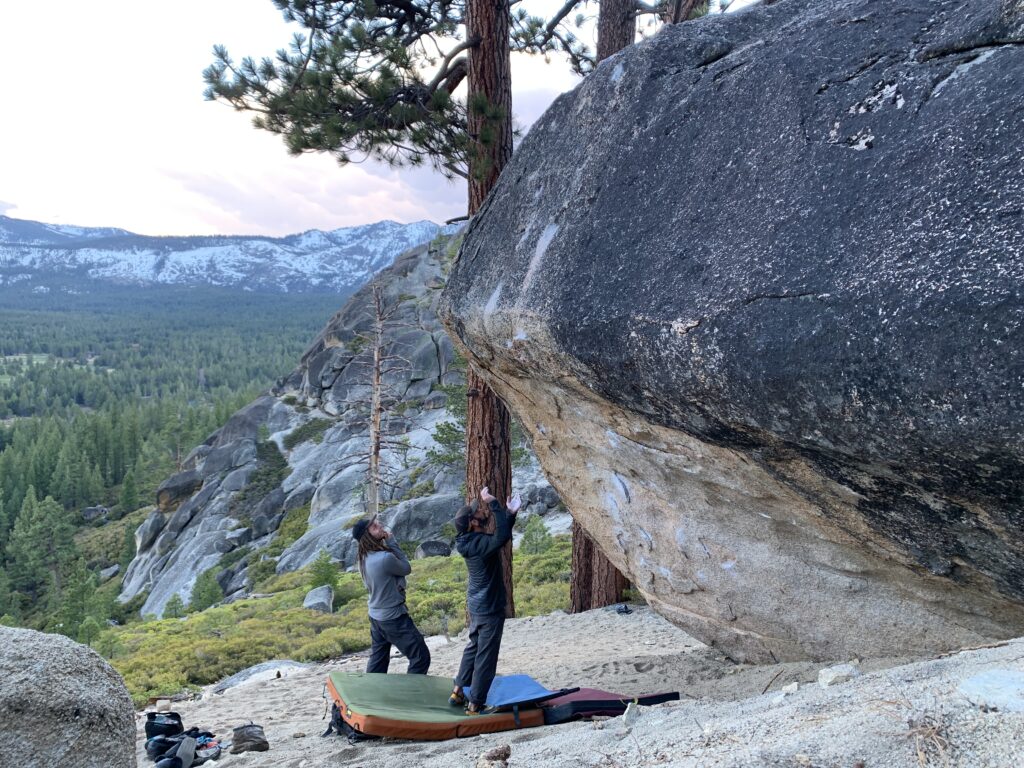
{"type": "Point", "coordinates": [313, 430]}
{"type": "Point", "coordinates": [271, 470]}
{"type": "Point", "coordinates": [233, 557]}
{"type": "Point", "coordinates": [294, 524]}
{"type": "Point", "coordinates": [260, 571]}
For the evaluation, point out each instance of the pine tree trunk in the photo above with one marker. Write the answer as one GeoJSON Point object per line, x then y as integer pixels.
{"type": "Point", "coordinates": [595, 582]}
{"type": "Point", "coordinates": [489, 104]}
{"type": "Point", "coordinates": [582, 561]}
{"type": "Point", "coordinates": [616, 27]}
{"type": "Point", "coordinates": [488, 96]}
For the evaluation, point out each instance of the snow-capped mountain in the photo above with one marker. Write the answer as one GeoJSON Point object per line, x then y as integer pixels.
{"type": "Point", "coordinates": [339, 260]}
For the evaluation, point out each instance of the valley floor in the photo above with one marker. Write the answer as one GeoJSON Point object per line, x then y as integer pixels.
{"type": "Point", "coordinates": [898, 713]}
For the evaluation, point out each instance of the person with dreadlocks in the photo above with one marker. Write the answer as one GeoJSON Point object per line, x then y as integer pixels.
{"type": "Point", "coordinates": [384, 566]}
{"type": "Point", "coordinates": [482, 532]}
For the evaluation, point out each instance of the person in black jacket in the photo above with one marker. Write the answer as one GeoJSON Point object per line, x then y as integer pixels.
{"type": "Point", "coordinates": [482, 532]}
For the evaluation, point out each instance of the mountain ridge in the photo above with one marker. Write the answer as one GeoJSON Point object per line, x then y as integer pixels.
{"type": "Point", "coordinates": [314, 260]}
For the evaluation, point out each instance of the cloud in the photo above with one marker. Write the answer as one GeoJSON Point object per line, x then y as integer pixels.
{"type": "Point", "coordinates": [294, 199]}
{"type": "Point", "coordinates": [5, 207]}
{"type": "Point", "coordinates": [148, 154]}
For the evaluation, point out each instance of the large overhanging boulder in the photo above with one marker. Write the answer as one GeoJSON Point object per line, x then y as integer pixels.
{"type": "Point", "coordinates": [754, 290]}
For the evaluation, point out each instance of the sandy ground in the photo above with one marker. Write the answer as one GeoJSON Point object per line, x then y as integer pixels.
{"type": "Point", "coordinates": [895, 714]}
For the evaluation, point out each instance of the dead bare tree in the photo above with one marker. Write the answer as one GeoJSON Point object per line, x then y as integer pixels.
{"type": "Point", "coordinates": [378, 349]}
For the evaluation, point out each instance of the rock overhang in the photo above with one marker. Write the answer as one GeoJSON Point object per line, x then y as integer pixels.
{"type": "Point", "coordinates": [791, 236]}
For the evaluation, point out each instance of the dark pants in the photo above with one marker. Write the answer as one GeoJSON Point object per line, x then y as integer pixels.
{"type": "Point", "coordinates": [480, 659]}
{"type": "Point", "coordinates": [402, 634]}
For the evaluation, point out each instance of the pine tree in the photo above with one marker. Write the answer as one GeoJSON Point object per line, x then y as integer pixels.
{"type": "Point", "coordinates": [4, 522]}
{"type": "Point", "coordinates": [89, 630]}
{"type": "Point", "coordinates": [205, 592]}
{"type": "Point", "coordinates": [127, 549]}
{"type": "Point", "coordinates": [79, 586]}
{"type": "Point", "coordinates": [594, 581]}
{"type": "Point", "coordinates": [5, 594]}
{"type": "Point", "coordinates": [129, 499]}
{"type": "Point", "coordinates": [175, 607]}
{"type": "Point", "coordinates": [536, 538]}
{"type": "Point", "coordinates": [24, 552]}
{"type": "Point", "coordinates": [324, 572]}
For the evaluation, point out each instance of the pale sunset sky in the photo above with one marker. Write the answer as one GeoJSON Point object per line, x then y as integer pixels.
{"type": "Point", "coordinates": [104, 124]}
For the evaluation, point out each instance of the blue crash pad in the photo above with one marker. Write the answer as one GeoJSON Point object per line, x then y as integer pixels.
{"type": "Point", "coordinates": [517, 690]}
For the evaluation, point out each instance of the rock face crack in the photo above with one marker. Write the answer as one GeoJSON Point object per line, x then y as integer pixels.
{"type": "Point", "coordinates": [956, 50]}
{"type": "Point", "coordinates": [864, 67]}
{"type": "Point", "coordinates": [766, 296]}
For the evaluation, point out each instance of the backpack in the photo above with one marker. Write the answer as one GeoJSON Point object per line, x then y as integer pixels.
{"type": "Point", "coordinates": [340, 727]}
{"type": "Point", "coordinates": [163, 724]}
{"type": "Point", "coordinates": [249, 738]}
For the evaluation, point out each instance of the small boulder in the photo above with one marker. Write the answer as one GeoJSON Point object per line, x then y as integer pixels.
{"type": "Point", "coordinates": [432, 549]}
{"type": "Point", "coordinates": [90, 514]}
{"type": "Point", "coordinates": [840, 673]}
{"type": "Point", "coordinates": [320, 599]}
{"type": "Point", "coordinates": [61, 704]}
{"type": "Point", "coordinates": [495, 757]}
{"type": "Point", "coordinates": [108, 573]}
{"type": "Point", "coordinates": [436, 399]}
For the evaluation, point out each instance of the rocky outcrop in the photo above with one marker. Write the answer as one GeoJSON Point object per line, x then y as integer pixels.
{"type": "Point", "coordinates": [306, 444]}
{"type": "Point", "coordinates": [61, 704]}
{"type": "Point", "coordinates": [176, 488]}
{"type": "Point", "coordinates": [754, 289]}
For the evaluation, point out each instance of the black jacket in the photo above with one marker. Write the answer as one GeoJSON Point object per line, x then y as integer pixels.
{"type": "Point", "coordinates": [485, 590]}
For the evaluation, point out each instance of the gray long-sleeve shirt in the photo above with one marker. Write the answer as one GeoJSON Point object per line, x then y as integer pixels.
{"type": "Point", "coordinates": [384, 575]}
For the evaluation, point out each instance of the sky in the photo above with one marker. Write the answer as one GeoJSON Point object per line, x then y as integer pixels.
{"type": "Point", "coordinates": [104, 124]}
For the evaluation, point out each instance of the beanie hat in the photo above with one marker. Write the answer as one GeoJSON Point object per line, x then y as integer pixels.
{"type": "Point", "coordinates": [360, 528]}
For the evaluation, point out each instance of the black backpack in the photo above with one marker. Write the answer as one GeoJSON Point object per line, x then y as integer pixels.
{"type": "Point", "coordinates": [163, 724]}
{"type": "Point", "coordinates": [340, 727]}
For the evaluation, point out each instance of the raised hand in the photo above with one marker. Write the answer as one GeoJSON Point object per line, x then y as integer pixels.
{"type": "Point", "coordinates": [485, 495]}
{"type": "Point", "coordinates": [514, 503]}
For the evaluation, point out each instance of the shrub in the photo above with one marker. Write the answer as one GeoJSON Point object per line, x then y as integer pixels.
{"type": "Point", "coordinates": [108, 542]}
{"type": "Point", "coordinates": [261, 570]}
{"type": "Point", "coordinates": [233, 557]}
{"type": "Point", "coordinates": [294, 524]}
{"type": "Point", "coordinates": [312, 430]}
{"type": "Point", "coordinates": [271, 470]}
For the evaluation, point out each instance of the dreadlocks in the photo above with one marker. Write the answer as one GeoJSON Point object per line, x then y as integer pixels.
{"type": "Point", "coordinates": [368, 544]}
